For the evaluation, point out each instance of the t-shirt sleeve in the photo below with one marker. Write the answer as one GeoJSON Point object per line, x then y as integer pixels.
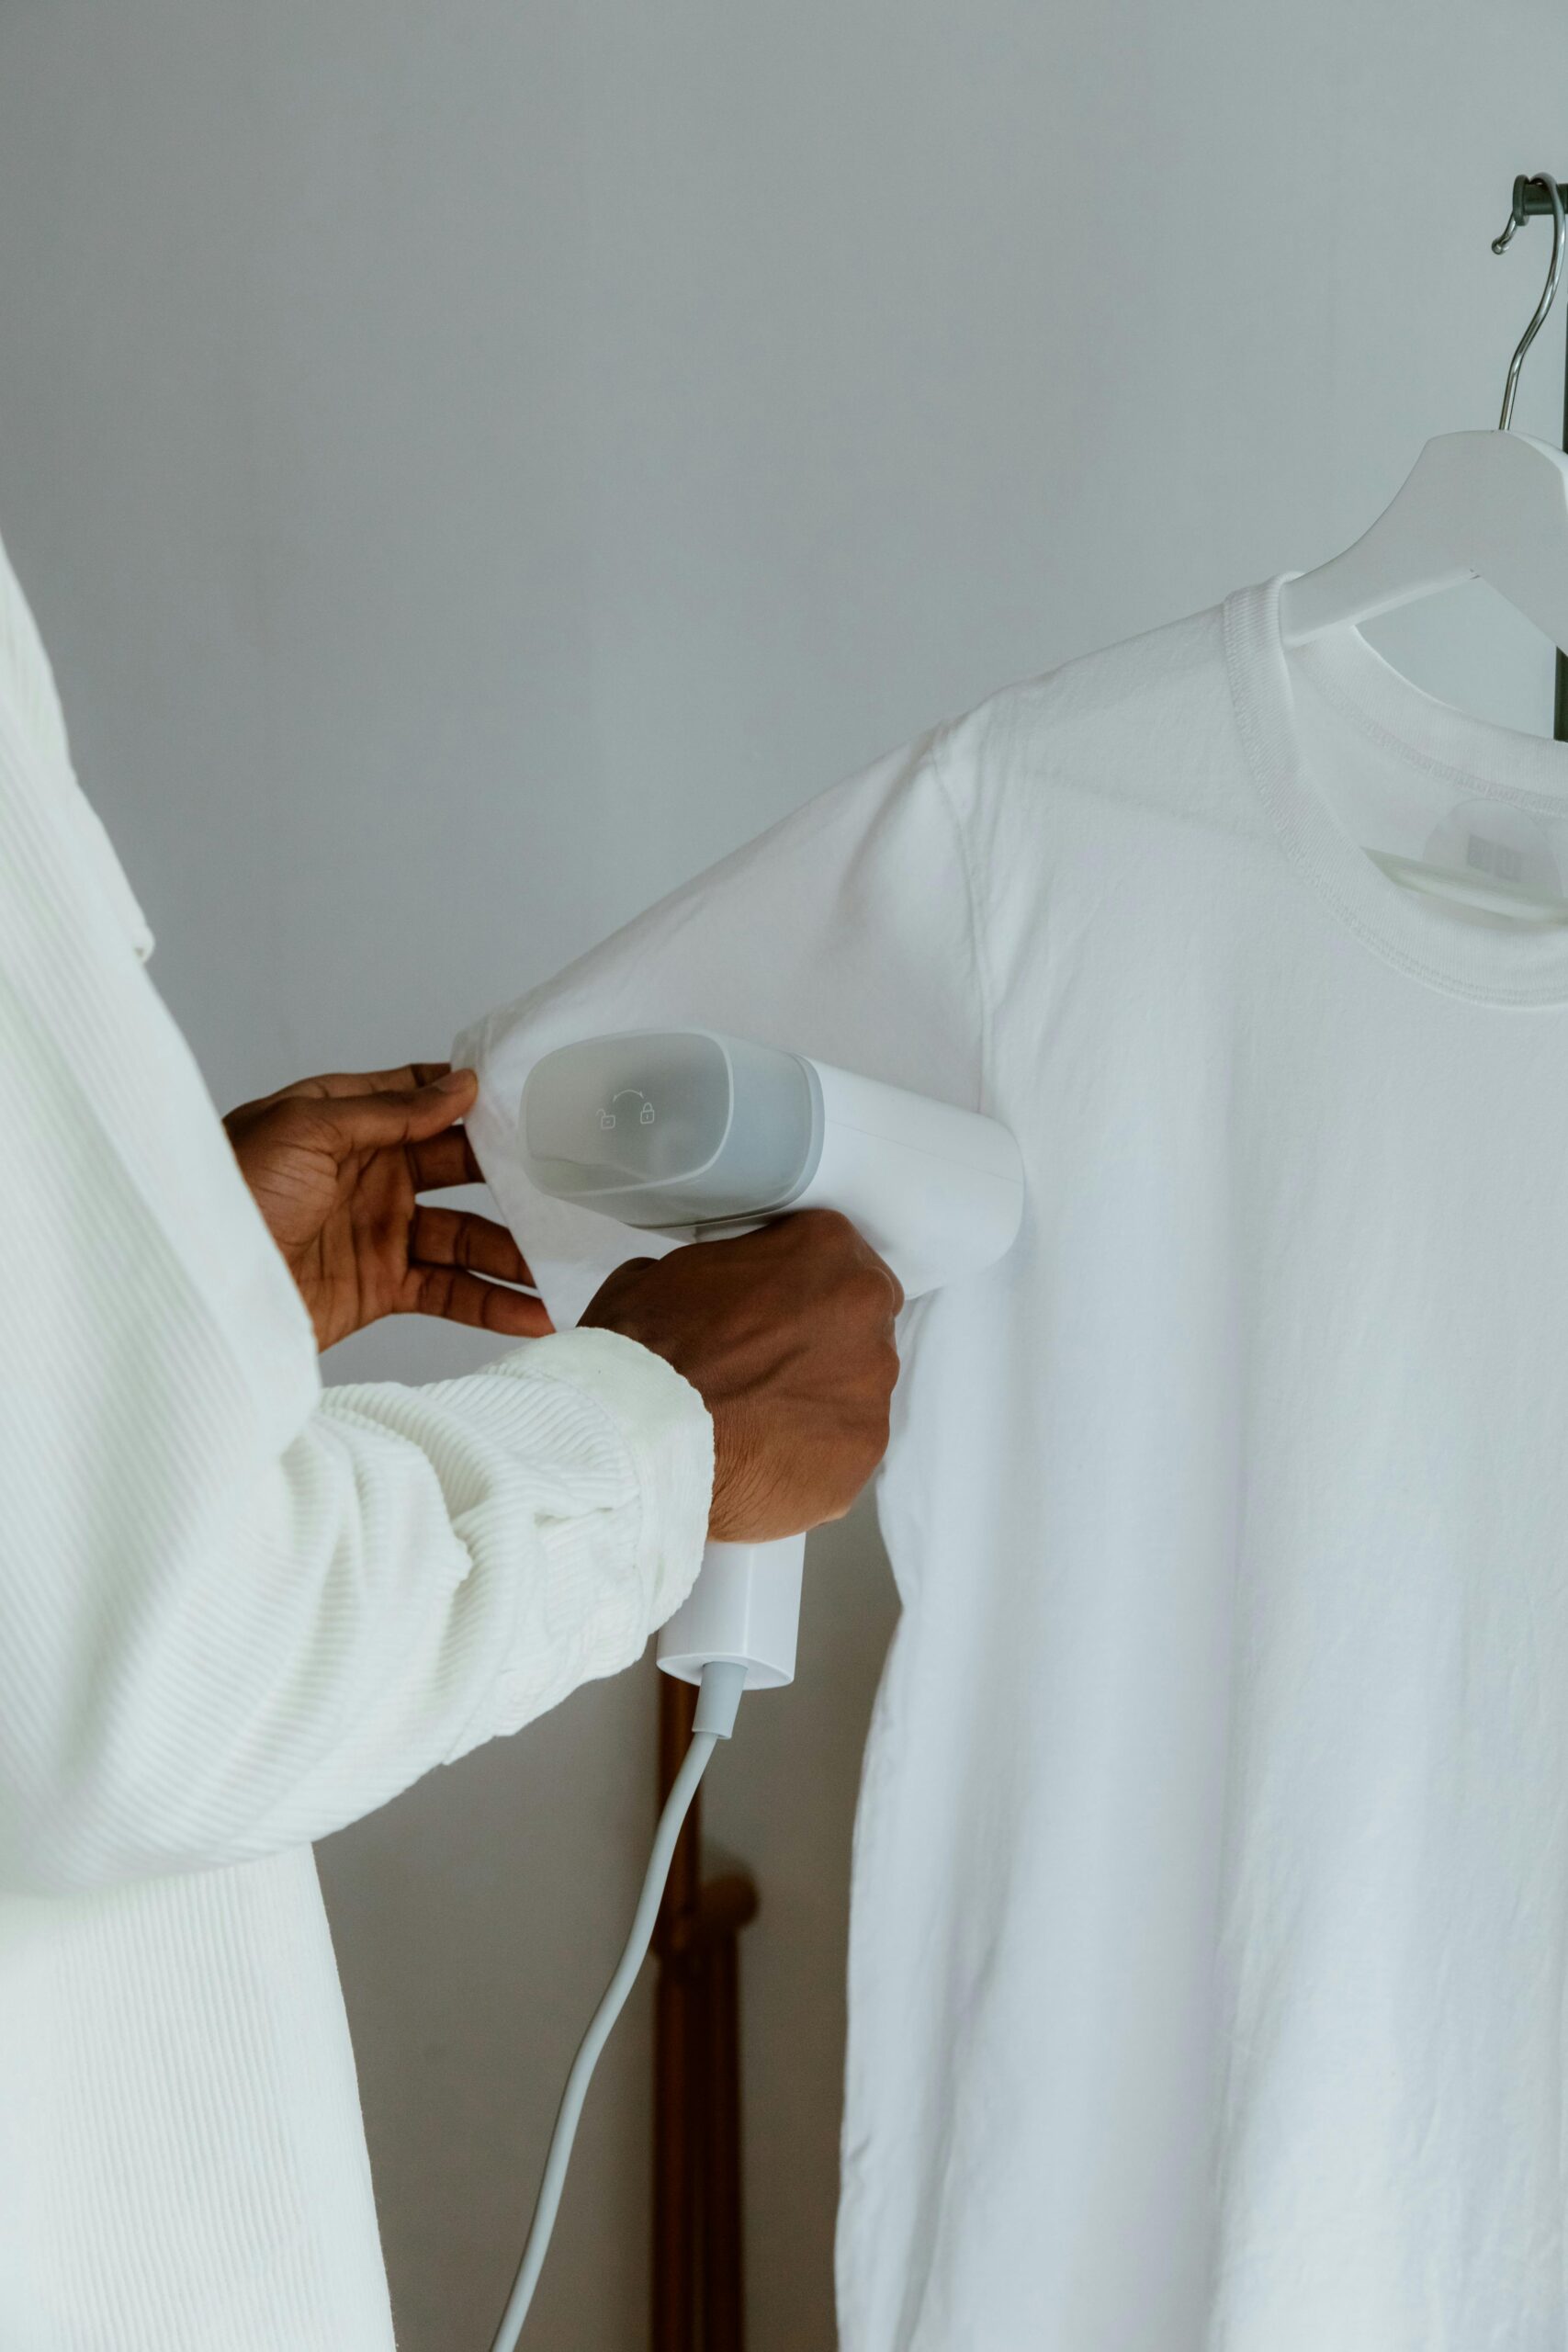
{"type": "Point", "coordinates": [846, 932]}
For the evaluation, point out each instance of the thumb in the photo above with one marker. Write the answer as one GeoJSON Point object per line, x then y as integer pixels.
{"type": "Point", "coordinates": [375, 1121]}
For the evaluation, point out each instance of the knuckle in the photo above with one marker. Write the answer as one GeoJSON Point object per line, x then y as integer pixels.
{"type": "Point", "coordinates": [300, 1125]}
{"type": "Point", "coordinates": [825, 1228]}
{"type": "Point", "coordinates": [876, 1408]}
{"type": "Point", "coordinates": [866, 1290]}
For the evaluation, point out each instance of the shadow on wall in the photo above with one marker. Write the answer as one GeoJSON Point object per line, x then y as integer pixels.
{"type": "Point", "coordinates": [467, 1998]}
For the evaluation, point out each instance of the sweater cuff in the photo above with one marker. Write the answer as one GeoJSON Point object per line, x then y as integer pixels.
{"type": "Point", "coordinates": [668, 1433]}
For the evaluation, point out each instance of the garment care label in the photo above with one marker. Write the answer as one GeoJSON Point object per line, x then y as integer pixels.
{"type": "Point", "coordinates": [1493, 857]}
{"type": "Point", "coordinates": [1517, 850]}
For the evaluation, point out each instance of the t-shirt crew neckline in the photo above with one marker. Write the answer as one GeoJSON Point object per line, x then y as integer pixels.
{"type": "Point", "coordinates": [1407, 928]}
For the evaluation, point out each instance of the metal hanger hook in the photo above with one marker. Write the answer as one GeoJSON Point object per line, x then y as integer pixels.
{"type": "Point", "coordinates": [1547, 182]}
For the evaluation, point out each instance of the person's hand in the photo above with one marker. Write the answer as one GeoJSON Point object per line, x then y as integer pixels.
{"type": "Point", "coordinates": [335, 1165]}
{"type": "Point", "coordinates": [787, 1336]}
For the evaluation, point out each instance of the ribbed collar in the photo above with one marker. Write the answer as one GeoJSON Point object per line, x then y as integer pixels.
{"type": "Point", "coordinates": [1418, 932]}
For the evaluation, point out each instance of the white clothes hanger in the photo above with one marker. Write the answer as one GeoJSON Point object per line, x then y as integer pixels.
{"type": "Point", "coordinates": [1492, 506]}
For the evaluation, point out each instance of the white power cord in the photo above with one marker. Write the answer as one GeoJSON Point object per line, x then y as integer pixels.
{"type": "Point", "coordinates": [719, 1703]}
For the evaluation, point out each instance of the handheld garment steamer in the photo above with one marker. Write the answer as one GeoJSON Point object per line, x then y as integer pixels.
{"type": "Point", "coordinates": [696, 1136]}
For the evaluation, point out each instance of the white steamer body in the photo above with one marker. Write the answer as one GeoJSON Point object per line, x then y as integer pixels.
{"type": "Point", "coordinates": [695, 1135]}
{"type": "Point", "coordinates": [937, 1192]}
{"type": "Point", "coordinates": [745, 1607]}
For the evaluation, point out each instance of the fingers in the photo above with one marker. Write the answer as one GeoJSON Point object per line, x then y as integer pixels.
{"type": "Point", "coordinates": [457, 1296]}
{"type": "Point", "coordinates": [346, 1083]}
{"type": "Point", "coordinates": [453, 1238]}
{"type": "Point", "coordinates": [456, 1265]}
{"type": "Point", "coordinates": [417, 1105]}
{"type": "Point", "coordinates": [858, 1249]}
{"type": "Point", "coordinates": [391, 1081]}
{"type": "Point", "coordinates": [337, 1085]}
{"type": "Point", "coordinates": [372, 1122]}
{"type": "Point", "coordinates": [445, 1160]}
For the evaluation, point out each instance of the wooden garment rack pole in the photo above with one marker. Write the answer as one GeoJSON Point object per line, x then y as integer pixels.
{"type": "Point", "coordinates": [698, 2268]}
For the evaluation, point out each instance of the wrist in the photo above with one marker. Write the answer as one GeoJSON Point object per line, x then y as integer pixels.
{"type": "Point", "coordinates": [668, 1433]}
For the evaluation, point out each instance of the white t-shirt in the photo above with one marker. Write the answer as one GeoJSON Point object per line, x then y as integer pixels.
{"type": "Point", "coordinates": [1210, 1942]}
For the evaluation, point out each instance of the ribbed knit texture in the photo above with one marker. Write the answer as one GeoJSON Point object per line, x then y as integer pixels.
{"type": "Point", "coordinates": [234, 1614]}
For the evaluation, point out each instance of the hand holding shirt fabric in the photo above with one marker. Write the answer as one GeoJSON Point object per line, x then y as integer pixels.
{"type": "Point", "coordinates": [336, 1165]}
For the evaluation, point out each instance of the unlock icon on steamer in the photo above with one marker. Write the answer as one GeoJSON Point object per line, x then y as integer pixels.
{"type": "Point", "coordinates": [645, 1115]}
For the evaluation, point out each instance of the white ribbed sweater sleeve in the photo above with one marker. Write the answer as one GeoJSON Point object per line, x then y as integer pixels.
{"type": "Point", "coordinates": [235, 1612]}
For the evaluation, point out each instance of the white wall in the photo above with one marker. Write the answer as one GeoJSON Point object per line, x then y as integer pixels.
{"type": "Point", "coordinates": [477, 462]}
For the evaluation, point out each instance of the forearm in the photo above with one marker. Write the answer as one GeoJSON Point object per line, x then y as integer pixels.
{"type": "Point", "coordinates": [422, 1570]}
